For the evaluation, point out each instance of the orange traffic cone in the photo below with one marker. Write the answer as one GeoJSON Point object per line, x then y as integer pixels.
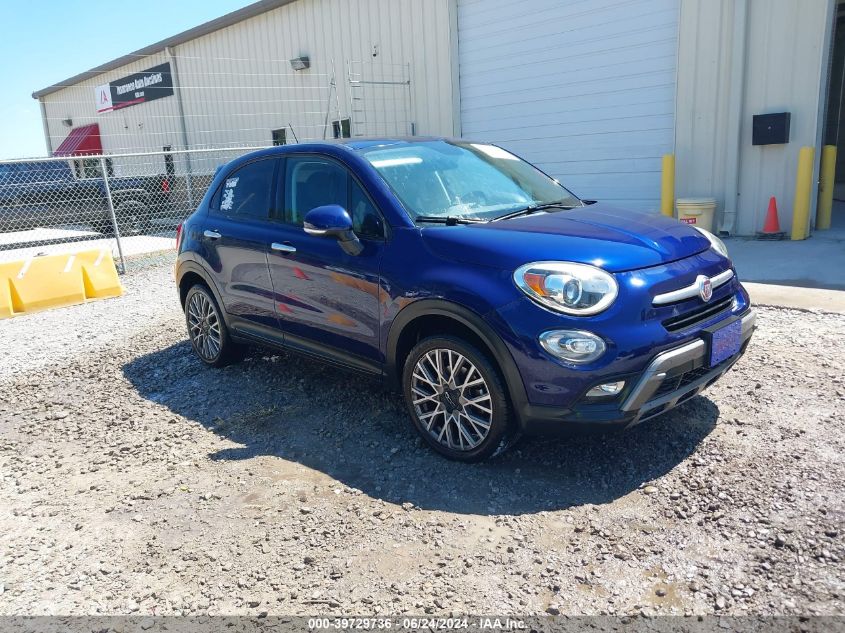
{"type": "Point", "coordinates": [771, 227]}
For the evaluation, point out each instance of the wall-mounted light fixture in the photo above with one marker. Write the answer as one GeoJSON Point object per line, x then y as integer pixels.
{"type": "Point", "coordinates": [67, 122]}
{"type": "Point", "coordinates": [300, 63]}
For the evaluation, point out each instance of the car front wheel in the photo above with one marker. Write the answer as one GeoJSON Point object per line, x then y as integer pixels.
{"type": "Point", "coordinates": [456, 399]}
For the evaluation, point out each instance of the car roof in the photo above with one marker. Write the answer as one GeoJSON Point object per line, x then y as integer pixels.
{"type": "Point", "coordinates": [359, 144]}
{"type": "Point", "coordinates": [354, 145]}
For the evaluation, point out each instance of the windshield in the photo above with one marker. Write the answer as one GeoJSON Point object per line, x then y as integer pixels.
{"type": "Point", "coordinates": [463, 180]}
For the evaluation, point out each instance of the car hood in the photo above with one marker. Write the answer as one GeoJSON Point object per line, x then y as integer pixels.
{"type": "Point", "coordinates": [614, 239]}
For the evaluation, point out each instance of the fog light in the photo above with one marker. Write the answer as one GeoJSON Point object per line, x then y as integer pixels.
{"type": "Point", "coordinates": [607, 389]}
{"type": "Point", "coordinates": [574, 346]}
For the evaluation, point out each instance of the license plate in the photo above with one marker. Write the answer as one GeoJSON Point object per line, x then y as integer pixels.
{"type": "Point", "coordinates": [725, 342]}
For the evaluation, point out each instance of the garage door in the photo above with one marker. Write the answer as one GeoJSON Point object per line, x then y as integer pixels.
{"type": "Point", "coordinates": [583, 88]}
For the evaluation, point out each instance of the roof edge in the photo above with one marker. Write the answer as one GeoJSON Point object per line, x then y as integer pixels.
{"type": "Point", "coordinates": [239, 15]}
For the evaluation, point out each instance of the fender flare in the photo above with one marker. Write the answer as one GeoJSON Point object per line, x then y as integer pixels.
{"type": "Point", "coordinates": [467, 318]}
{"type": "Point", "coordinates": [191, 266]}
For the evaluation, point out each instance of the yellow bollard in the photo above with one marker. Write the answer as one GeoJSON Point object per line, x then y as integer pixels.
{"type": "Point", "coordinates": [828, 179]}
{"type": "Point", "coordinates": [667, 186]}
{"type": "Point", "coordinates": [803, 189]}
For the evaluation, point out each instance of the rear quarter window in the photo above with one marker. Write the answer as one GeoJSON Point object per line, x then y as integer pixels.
{"type": "Point", "coordinates": [247, 191]}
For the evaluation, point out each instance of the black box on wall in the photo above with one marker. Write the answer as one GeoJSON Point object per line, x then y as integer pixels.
{"type": "Point", "coordinates": [770, 129]}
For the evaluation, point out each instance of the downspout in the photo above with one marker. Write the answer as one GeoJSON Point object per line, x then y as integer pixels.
{"type": "Point", "coordinates": [735, 104]}
{"type": "Point", "coordinates": [825, 68]}
{"type": "Point", "coordinates": [177, 90]}
{"type": "Point", "coordinates": [454, 58]}
{"type": "Point", "coordinates": [46, 126]}
{"type": "Point", "coordinates": [679, 18]}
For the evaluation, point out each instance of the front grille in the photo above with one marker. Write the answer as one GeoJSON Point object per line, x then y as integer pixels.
{"type": "Point", "coordinates": [697, 315]}
{"type": "Point", "coordinates": [680, 381]}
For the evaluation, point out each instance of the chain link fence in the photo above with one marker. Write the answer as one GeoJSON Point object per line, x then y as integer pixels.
{"type": "Point", "coordinates": [129, 204]}
{"type": "Point", "coordinates": [131, 198]}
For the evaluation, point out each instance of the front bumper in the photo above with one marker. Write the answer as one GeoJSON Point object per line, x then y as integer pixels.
{"type": "Point", "coordinates": [671, 378]}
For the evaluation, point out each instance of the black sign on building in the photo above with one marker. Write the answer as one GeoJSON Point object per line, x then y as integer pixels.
{"type": "Point", "coordinates": [147, 85]}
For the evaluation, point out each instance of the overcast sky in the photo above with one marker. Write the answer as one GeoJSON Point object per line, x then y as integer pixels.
{"type": "Point", "coordinates": [46, 41]}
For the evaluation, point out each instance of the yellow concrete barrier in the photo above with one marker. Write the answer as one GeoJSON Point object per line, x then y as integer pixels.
{"type": "Point", "coordinates": [99, 275]}
{"type": "Point", "coordinates": [827, 180]}
{"type": "Point", "coordinates": [51, 281]}
{"type": "Point", "coordinates": [667, 186]}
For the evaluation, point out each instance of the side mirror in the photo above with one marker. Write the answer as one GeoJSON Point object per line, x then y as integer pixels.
{"type": "Point", "coordinates": [332, 220]}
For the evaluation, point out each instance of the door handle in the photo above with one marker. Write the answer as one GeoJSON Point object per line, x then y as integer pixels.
{"type": "Point", "coordinates": [283, 248]}
{"type": "Point", "coordinates": [212, 235]}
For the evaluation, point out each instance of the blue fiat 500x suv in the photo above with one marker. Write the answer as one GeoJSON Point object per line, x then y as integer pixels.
{"type": "Point", "coordinates": [496, 300]}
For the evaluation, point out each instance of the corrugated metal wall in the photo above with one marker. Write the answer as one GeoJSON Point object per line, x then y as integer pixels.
{"type": "Point", "coordinates": [584, 89]}
{"type": "Point", "coordinates": [238, 85]}
{"type": "Point", "coordinates": [407, 34]}
{"type": "Point", "coordinates": [140, 128]}
{"type": "Point", "coordinates": [705, 54]}
{"type": "Point", "coordinates": [782, 66]}
{"type": "Point", "coordinates": [784, 71]}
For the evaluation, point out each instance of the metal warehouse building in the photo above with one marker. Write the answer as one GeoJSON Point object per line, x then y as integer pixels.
{"type": "Point", "coordinates": [232, 82]}
{"type": "Point", "coordinates": [593, 91]}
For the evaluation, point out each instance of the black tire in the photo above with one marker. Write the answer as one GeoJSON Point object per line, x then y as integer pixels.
{"type": "Point", "coordinates": [214, 351]}
{"type": "Point", "coordinates": [464, 407]}
{"type": "Point", "coordinates": [133, 217]}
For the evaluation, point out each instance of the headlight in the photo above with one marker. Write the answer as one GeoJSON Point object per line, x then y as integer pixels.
{"type": "Point", "coordinates": [717, 244]}
{"type": "Point", "coordinates": [576, 289]}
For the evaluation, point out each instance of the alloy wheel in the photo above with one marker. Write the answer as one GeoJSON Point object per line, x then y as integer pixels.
{"type": "Point", "coordinates": [204, 326]}
{"type": "Point", "coordinates": [451, 399]}
{"type": "Point", "coordinates": [133, 224]}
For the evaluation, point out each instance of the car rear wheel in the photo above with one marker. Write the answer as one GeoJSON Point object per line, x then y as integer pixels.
{"type": "Point", "coordinates": [456, 399]}
{"type": "Point", "coordinates": [207, 330]}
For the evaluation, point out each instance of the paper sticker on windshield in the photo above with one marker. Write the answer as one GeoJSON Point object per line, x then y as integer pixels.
{"type": "Point", "coordinates": [494, 152]}
{"type": "Point", "coordinates": [228, 200]}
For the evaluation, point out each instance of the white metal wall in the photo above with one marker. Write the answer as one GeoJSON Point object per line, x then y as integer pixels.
{"type": "Point", "coordinates": [142, 128]}
{"type": "Point", "coordinates": [785, 66]}
{"type": "Point", "coordinates": [410, 32]}
{"type": "Point", "coordinates": [741, 58]}
{"type": "Point", "coordinates": [709, 96]}
{"type": "Point", "coordinates": [584, 89]}
{"type": "Point", "coordinates": [237, 83]}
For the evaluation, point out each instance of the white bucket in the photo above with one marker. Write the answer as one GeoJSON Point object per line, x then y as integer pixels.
{"type": "Point", "coordinates": [696, 211]}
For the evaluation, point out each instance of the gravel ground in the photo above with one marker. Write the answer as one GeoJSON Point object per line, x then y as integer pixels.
{"type": "Point", "coordinates": [134, 480]}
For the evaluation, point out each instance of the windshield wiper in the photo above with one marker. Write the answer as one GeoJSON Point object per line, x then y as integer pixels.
{"type": "Point", "coordinates": [534, 207]}
{"type": "Point", "coordinates": [448, 220]}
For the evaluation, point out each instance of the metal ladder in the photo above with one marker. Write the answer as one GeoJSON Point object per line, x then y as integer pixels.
{"type": "Point", "coordinates": [357, 103]}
